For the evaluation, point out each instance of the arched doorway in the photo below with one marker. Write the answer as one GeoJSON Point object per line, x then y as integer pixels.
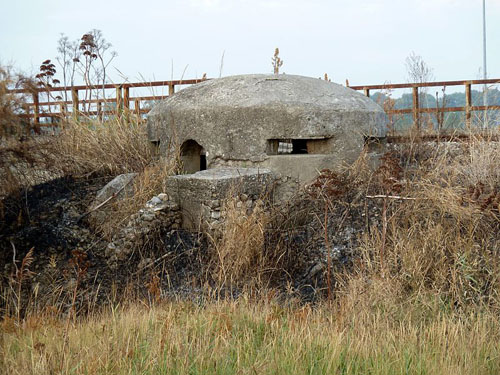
{"type": "Point", "coordinates": [193, 157]}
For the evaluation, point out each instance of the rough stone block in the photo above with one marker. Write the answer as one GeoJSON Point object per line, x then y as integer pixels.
{"type": "Point", "coordinates": [196, 193]}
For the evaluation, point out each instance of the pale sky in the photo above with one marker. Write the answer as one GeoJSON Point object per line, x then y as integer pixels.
{"type": "Point", "coordinates": [365, 41]}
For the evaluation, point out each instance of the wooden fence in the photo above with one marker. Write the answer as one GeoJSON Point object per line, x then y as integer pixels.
{"type": "Point", "coordinates": [121, 102]}
{"type": "Point", "coordinates": [82, 103]}
{"type": "Point", "coordinates": [417, 109]}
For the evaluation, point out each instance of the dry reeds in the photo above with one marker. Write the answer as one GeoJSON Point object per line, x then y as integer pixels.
{"type": "Point", "coordinates": [84, 148]}
{"type": "Point", "coordinates": [237, 246]}
{"type": "Point", "coordinates": [12, 104]}
{"type": "Point", "coordinates": [112, 147]}
{"type": "Point", "coordinates": [442, 236]}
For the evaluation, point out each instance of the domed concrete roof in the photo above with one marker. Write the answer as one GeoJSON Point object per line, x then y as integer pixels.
{"type": "Point", "coordinates": [235, 117]}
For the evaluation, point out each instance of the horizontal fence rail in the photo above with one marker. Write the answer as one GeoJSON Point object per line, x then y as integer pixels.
{"type": "Point", "coordinates": [57, 103]}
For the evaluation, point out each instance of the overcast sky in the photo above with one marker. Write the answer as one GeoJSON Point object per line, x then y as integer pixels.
{"type": "Point", "coordinates": [365, 41]}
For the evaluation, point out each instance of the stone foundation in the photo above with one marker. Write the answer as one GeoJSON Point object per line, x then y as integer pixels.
{"type": "Point", "coordinates": [200, 196]}
{"type": "Point", "coordinates": [159, 213]}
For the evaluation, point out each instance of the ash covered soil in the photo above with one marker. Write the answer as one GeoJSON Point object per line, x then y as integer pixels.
{"type": "Point", "coordinates": [46, 217]}
{"type": "Point", "coordinates": [49, 218]}
{"type": "Point", "coordinates": [68, 254]}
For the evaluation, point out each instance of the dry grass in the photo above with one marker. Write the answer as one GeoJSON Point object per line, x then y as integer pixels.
{"type": "Point", "coordinates": [444, 240]}
{"type": "Point", "coordinates": [11, 105]}
{"type": "Point", "coordinates": [24, 164]}
{"type": "Point", "coordinates": [237, 246]}
{"type": "Point", "coordinates": [80, 149]}
{"type": "Point", "coordinates": [255, 337]}
{"type": "Point", "coordinates": [111, 147]}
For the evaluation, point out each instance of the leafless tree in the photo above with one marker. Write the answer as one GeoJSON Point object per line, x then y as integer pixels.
{"type": "Point", "coordinates": [104, 55]}
{"type": "Point", "coordinates": [419, 71]}
{"type": "Point", "coordinates": [88, 57]}
{"type": "Point", "coordinates": [68, 58]}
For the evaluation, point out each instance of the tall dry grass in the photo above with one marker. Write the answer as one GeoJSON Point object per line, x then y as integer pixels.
{"type": "Point", "coordinates": [236, 247]}
{"type": "Point", "coordinates": [12, 105]}
{"type": "Point", "coordinates": [109, 147]}
{"type": "Point", "coordinates": [249, 336]}
{"type": "Point", "coordinates": [82, 148]}
{"type": "Point", "coordinates": [441, 238]}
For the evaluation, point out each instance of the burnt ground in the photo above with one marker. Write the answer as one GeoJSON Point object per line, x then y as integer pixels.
{"type": "Point", "coordinates": [69, 269]}
{"type": "Point", "coordinates": [66, 249]}
{"type": "Point", "coordinates": [45, 218]}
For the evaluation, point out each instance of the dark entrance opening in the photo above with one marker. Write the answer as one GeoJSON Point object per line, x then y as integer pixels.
{"type": "Point", "coordinates": [203, 162]}
{"type": "Point", "coordinates": [299, 146]}
{"type": "Point", "coordinates": [193, 157]}
{"type": "Point", "coordinates": [319, 145]}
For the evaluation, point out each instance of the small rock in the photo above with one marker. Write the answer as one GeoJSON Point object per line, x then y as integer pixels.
{"type": "Point", "coordinates": [155, 200]}
{"type": "Point", "coordinates": [148, 216]}
{"type": "Point", "coordinates": [144, 263]}
{"type": "Point", "coordinates": [214, 203]}
{"type": "Point", "coordinates": [317, 268]}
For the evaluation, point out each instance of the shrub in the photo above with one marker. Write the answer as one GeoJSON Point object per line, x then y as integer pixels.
{"type": "Point", "coordinates": [12, 104]}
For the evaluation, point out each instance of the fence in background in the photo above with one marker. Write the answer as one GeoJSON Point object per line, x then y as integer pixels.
{"type": "Point", "coordinates": [417, 109]}
{"type": "Point", "coordinates": [111, 99]}
{"type": "Point", "coordinates": [53, 102]}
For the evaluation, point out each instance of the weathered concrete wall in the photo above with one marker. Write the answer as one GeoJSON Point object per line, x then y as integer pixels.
{"type": "Point", "coordinates": [234, 118]}
{"type": "Point", "coordinates": [200, 195]}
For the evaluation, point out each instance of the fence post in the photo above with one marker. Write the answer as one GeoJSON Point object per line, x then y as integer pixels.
{"type": "Point", "coordinates": [126, 98]}
{"type": "Point", "coordinates": [126, 102]}
{"type": "Point", "coordinates": [99, 110]}
{"type": "Point", "coordinates": [119, 100]}
{"type": "Point", "coordinates": [62, 110]}
{"type": "Point", "coordinates": [76, 103]}
{"type": "Point", "coordinates": [171, 89]}
{"type": "Point", "coordinates": [36, 113]}
{"type": "Point", "coordinates": [416, 117]}
{"type": "Point", "coordinates": [137, 108]}
{"type": "Point", "coordinates": [468, 104]}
